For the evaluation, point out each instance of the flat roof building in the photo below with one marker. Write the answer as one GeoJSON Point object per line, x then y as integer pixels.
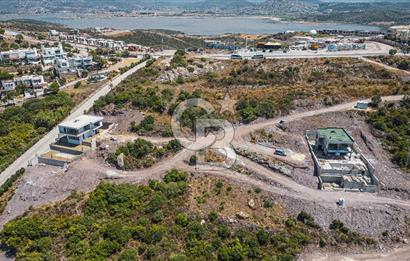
{"type": "Point", "coordinates": [333, 141]}
{"type": "Point", "coordinates": [76, 131]}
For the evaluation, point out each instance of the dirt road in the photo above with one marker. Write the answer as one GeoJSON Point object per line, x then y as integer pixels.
{"type": "Point", "coordinates": [387, 67]}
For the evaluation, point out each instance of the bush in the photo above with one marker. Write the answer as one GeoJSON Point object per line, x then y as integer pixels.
{"type": "Point", "coordinates": [182, 219]}
{"type": "Point", "coordinates": [175, 176]}
{"type": "Point", "coordinates": [146, 125]}
{"type": "Point", "coordinates": [307, 219]}
{"type": "Point", "coordinates": [223, 231]}
{"type": "Point", "coordinates": [263, 237]}
{"type": "Point", "coordinates": [10, 181]}
{"type": "Point", "coordinates": [212, 216]}
{"type": "Point", "coordinates": [128, 255]}
{"type": "Point", "coordinates": [192, 160]}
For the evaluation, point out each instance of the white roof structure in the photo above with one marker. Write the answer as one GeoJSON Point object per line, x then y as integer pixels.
{"type": "Point", "coordinates": [81, 121]}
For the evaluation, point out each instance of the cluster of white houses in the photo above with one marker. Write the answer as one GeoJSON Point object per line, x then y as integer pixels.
{"type": "Point", "coordinates": [34, 85]}
{"type": "Point", "coordinates": [95, 42]}
{"type": "Point", "coordinates": [47, 56]}
{"type": "Point", "coordinates": [401, 32]}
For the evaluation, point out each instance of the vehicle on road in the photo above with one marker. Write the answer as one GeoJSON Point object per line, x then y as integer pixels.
{"type": "Point", "coordinates": [236, 57]}
{"type": "Point", "coordinates": [280, 152]}
{"type": "Point", "coordinates": [258, 57]}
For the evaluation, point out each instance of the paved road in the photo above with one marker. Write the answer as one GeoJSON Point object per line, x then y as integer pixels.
{"type": "Point", "coordinates": [43, 145]}
{"type": "Point", "coordinates": [374, 49]}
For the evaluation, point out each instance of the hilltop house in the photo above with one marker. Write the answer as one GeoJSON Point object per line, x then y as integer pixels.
{"type": "Point", "coordinates": [333, 141]}
{"type": "Point", "coordinates": [76, 131]}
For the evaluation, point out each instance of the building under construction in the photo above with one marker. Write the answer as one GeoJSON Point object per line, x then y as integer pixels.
{"type": "Point", "coordinates": [338, 162]}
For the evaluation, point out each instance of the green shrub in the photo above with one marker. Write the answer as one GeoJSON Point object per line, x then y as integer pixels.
{"type": "Point", "coordinates": [128, 255]}
{"type": "Point", "coordinates": [182, 219]}
{"type": "Point", "coordinates": [212, 216]}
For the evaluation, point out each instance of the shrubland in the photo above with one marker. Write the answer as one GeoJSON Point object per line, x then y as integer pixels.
{"type": "Point", "coordinates": [142, 153]}
{"type": "Point", "coordinates": [258, 89]}
{"type": "Point", "coordinates": [393, 120]}
{"type": "Point", "coordinates": [156, 222]}
{"type": "Point", "coordinates": [22, 126]}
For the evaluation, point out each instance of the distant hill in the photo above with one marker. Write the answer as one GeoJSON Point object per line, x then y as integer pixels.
{"type": "Point", "coordinates": [223, 4]}
{"type": "Point", "coordinates": [280, 7]}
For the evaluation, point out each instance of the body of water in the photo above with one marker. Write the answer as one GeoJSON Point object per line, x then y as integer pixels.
{"type": "Point", "coordinates": [200, 25]}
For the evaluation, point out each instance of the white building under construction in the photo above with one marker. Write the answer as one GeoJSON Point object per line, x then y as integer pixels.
{"type": "Point", "coordinates": [338, 163]}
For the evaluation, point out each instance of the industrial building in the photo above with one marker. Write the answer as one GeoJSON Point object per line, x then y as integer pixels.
{"type": "Point", "coordinates": [339, 164]}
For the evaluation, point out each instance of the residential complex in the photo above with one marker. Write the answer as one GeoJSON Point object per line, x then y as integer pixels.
{"type": "Point", "coordinates": [48, 56]}
{"type": "Point", "coordinates": [52, 54]}
{"type": "Point", "coordinates": [21, 56]}
{"type": "Point", "coordinates": [34, 84]}
{"type": "Point", "coordinates": [72, 64]}
{"type": "Point", "coordinates": [96, 42]}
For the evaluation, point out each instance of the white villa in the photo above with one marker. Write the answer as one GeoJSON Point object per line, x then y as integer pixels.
{"type": "Point", "coordinates": [76, 131]}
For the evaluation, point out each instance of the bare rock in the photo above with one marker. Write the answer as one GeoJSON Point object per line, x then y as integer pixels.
{"type": "Point", "coordinates": [242, 215]}
{"type": "Point", "coordinates": [251, 204]}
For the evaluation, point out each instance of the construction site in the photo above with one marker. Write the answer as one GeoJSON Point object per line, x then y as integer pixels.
{"type": "Point", "coordinates": [338, 164]}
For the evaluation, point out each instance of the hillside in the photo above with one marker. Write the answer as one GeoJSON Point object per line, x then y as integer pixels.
{"type": "Point", "coordinates": [179, 218]}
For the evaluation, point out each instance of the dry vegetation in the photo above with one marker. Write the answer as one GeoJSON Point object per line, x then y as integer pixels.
{"type": "Point", "coordinates": [259, 88]}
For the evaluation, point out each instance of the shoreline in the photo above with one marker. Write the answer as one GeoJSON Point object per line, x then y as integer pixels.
{"type": "Point", "coordinates": [193, 24]}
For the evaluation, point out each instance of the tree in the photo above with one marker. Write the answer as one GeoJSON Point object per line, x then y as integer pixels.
{"type": "Point", "coordinates": [192, 160]}
{"type": "Point", "coordinates": [84, 74]}
{"type": "Point", "coordinates": [2, 31]}
{"type": "Point", "coordinates": [54, 87]}
{"type": "Point", "coordinates": [5, 76]}
{"type": "Point", "coordinates": [392, 52]}
{"type": "Point", "coordinates": [77, 85]}
{"type": "Point", "coordinates": [19, 38]}
{"type": "Point", "coordinates": [376, 100]}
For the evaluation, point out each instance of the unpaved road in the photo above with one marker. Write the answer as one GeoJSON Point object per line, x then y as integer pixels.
{"type": "Point", "coordinates": [387, 67]}
{"type": "Point", "coordinates": [397, 254]}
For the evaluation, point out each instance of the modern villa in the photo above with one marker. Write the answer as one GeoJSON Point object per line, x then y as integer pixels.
{"type": "Point", "coordinates": [76, 131]}
{"type": "Point", "coordinates": [333, 141]}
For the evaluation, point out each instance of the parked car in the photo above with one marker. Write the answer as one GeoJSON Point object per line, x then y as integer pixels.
{"type": "Point", "coordinates": [280, 152]}
{"type": "Point", "coordinates": [236, 56]}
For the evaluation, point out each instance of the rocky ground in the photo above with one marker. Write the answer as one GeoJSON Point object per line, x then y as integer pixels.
{"type": "Point", "coordinates": [42, 185]}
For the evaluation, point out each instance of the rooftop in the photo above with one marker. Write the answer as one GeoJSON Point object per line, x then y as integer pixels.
{"type": "Point", "coordinates": [335, 134]}
{"type": "Point", "coordinates": [81, 121]}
